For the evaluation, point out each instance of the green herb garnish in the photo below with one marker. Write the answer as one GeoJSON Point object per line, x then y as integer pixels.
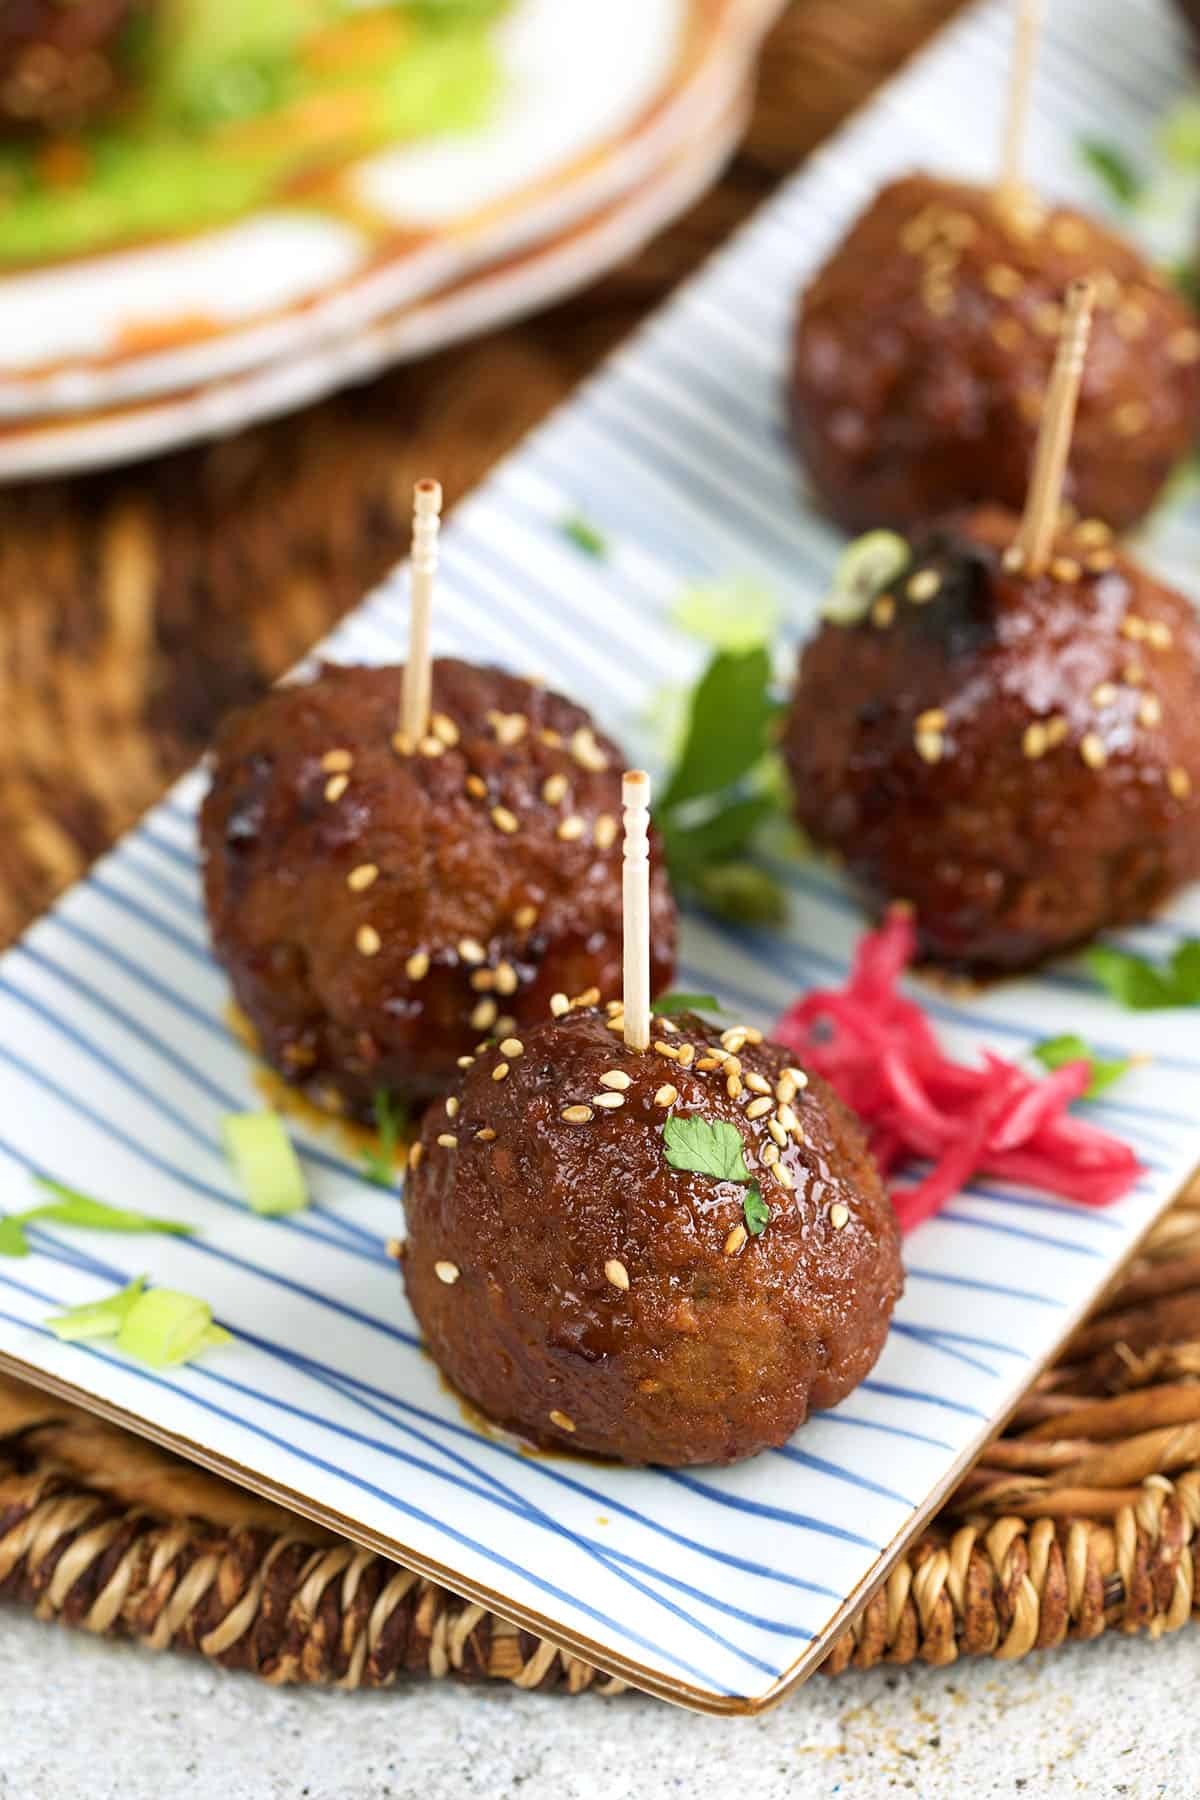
{"type": "Point", "coordinates": [731, 714]}
{"type": "Point", "coordinates": [743, 892]}
{"type": "Point", "coordinates": [585, 537]}
{"type": "Point", "coordinates": [379, 1160]}
{"type": "Point", "coordinates": [164, 1328]}
{"type": "Point", "coordinates": [265, 1162]}
{"type": "Point", "coordinates": [863, 570]}
{"type": "Point", "coordinates": [1108, 161]}
{"type": "Point", "coordinates": [1144, 986]}
{"type": "Point", "coordinates": [706, 1147]}
{"type": "Point", "coordinates": [667, 1005]}
{"type": "Point", "coordinates": [729, 615]}
{"type": "Point", "coordinates": [72, 1208]}
{"type": "Point", "coordinates": [97, 1318]}
{"type": "Point", "coordinates": [1054, 1052]}
{"type": "Point", "coordinates": [755, 1210]}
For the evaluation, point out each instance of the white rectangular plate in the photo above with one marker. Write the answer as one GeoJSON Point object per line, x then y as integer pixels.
{"type": "Point", "coordinates": [716, 1588]}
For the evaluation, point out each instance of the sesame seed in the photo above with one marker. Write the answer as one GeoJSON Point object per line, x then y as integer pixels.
{"type": "Point", "coordinates": [1002, 280]}
{"type": "Point", "coordinates": [605, 831]}
{"type": "Point", "coordinates": [1047, 318]}
{"type": "Point", "coordinates": [511, 1046]}
{"type": "Point", "coordinates": [615, 1078]}
{"type": "Point", "coordinates": [706, 1063]}
{"type": "Point", "coordinates": [782, 1174]}
{"type": "Point", "coordinates": [1069, 234]}
{"type": "Point", "coordinates": [785, 1087]}
{"type": "Point", "coordinates": [559, 1004]}
{"type": "Point", "coordinates": [616, 1273]}
{"type": "Point", "coordinates": [431, 746]}
{"type": "Point", "coordinates": [589, 997]}
{"type": "Point", "coordinates": [500, 1072]}
{"type": "Point", "coordinates": [483, 981]}
{"type": "Point", "coordinates": [669, 1025]}
{"type": "Point", "coordinates": [504, 819]}
{"type": "Point", "coordinates": [396, 1248]}
{"type": "Point", "coordinates": [1184, 346]}
{"type": "Point", "coordinates": [525, 918]}
{"type": "Point", "coordinates": [561, 1419]}
{"type": "Point", "coordinates": [1092, 532]}
{"type": "Point", "coordinates": [732, 1065]}
{"type": "Point", "coordinates": [1104, 693]}
{"type": "Point", "coordinates": [735, 1240]}
{"type": "Point", "coordinates": [1065, 568]}
{"type": "Point", "coordinates": [733, 1039]}
{"type": "Point", "coordinates": [609, 1100]}
{"type": "Point", "coordinates": [1092, 750]}
{"type": "Point", "coordinates": [1130, 417]}
{"type": "Point", "coordinates": [1133, 627]}
{"type": "Point", "coordinates": [484, 1015]}
{"type": "Point", "coordinates": [667, 1049]}
{"type": "Point", "coordinates": [1108, 289]}
{"type": "Point", "coordinates": [1099, 562]}
{"type": "Point", "coordinates": [684, 1055]}
{"type": "Point", "coordinates": [758, 1084]}
{"type": "Point", "coordinates": [666, 1095]}
{"type": "Point", "coordinates": [444, 729]}
{"type": "Point", "coordinates": [614, 1006]}
{"type": "Point", "coordinates": [336, 786]}
{"type": "Point", "coordinates": [451, 1106]}
{"type": "Point", "coordinates": [447, 1272]}
{"type": "Point", "coordinates": [509, 728]}
{"type": "Point", "coordinates": [778, 1133]}
{"type": "Point", "coordinates": [586, 750]}
{"type": "Point", "coordinates": [797, 1075]}
{"type": "Point", "coordinates": [923, 585]}
{"type": "Point", "coordinates": [505, 979]}
{"type": "Point", "coordinates": [402, 744]}
{"type": "Point", "coordinates": [1033, 741]}
{"type": "Point", "coordinates": [415, 1154]}
{"type": "Point", "coordinates": [839, 1215]}
{"type": "Point", "coordinates": [883, 611]}
{"type": "Point", "coordinates": [447, 1140]}
{"type": "Point", "coordinates": [570, 828]}
{"type": "Point", "coordinates": [362, 877]}
{"type": "Point", "coordinates": [1158, 635]}
{"type": "Point", "coordinates": [368, 941]}
{"type": "Point", "coordinates": [787, 1117]}
{"type": "Point", "coordinates": [1131, 320]}
{"type": "Point", "coordinates": [1179, 782]}
{"type": "Point", "coordinates": [1009, 334]}
{"type": "Point", "coordinates": [476, 786]}
{"type": "Point", "coordinates": [485, 1134]}
{"type": "Point", "coordinates": [576, 1115]}
{"type": "Point", "coordinates": [337, 762]}
{"type": "Point", "coordinates": [471, 950]}
{"type": "Point", "coordinates": [1149, 710]}
{"type": "Point", "coordinates": [757, 1108]}
{"type": "Point", "coordinates": [554, 788]}
{"type": "Point", "coordinates": [1056, 731]}
{"type": "Point", "coordinates": [939, 298]}
{"type": "Point", "coordinates": [417, 966]}
{"type": "Point", "coordinates": [617, 1022]}
{"type": "Point", "coordinates": [733, 1086]}
{"type": "Point", "coordinates": [1133, 674]}
{"type": "Point", "coordinates": [1013, 559]}
{"type": "Point", "coordinates": [465, 1062]}
{"type": "Point", "coordinates": [552, 739]}
{"type": "Point", "coordinates": [930, 746]}
{"type": "Point", "coordinates": [932, 720]}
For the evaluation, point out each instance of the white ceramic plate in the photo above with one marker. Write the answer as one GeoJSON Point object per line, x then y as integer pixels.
{"type": "Point", "coordinates": [598, 95]}
{"type": "Point", "coordinates": [716, 1588]}
{"type": "Point", "coordinates": [65, 443]}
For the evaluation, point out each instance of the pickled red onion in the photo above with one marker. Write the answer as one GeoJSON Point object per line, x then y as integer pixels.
{"type": "Point", "coordinates": [878, 1050]}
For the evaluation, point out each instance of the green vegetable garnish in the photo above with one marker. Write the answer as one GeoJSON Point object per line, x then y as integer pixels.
{"type": "Point", "coordinates": [585, 537]}
{"type": "Point", "coordinates": [266, 1163]}
{"type": "Point", "coordinates": [730, 615]}
{"type": "Point", "coordinates": [1054, 1052]}
{"type": "Point", "coordinates": [379, 1161]}
{"type": "Point", "coordinates": [706, 1147]}
{"type": "Point", "coordinates": [97, 1318]}
{"type": "Point", "coordinates": [667, 1005]}
{"type": "Point", "coordinates": [755, 1210]}
{"type": "Point", "coordinates": [1144, 986]}
{"type": "Point", "coordinates": [163, 1328]}
{"type": "Point", "coordinates": [863, 570]}
{"type": "Point", "coordinates": [1115, 170]}
{"type": "Point", "coordinates": [73, 1208]}
{"type": "Point", "coordinates": [743, 892]}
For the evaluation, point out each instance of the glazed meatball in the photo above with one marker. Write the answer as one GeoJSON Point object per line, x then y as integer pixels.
{"type": "Point", "coordinates": [63, 63]}
{"type": "Point", "coordinates": [924, 346]}
{"type": "Point", "coordinates": [379, 913]}
{"type": "Point", "coordinates": [583, 1291]}
{"type": "Point", "coordinates": [1017, 756]}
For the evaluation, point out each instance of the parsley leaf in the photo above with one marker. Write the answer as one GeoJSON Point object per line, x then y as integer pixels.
{"type": "Point", "coordinates": [1144, 986]}
{"type": "Point", "coordinates": [727, 735]}
{"type": "Point", "coordinates": [706, 1147]}
{"type": "Point", "coordinates": [755, 1210]}
{"type": "Point", "coordinates": [1115, 170]}
{"type": "Point", "coordinates": [585, 537]}
{"type": "Point", "coordinates": [667, 1005]}
{"type": "Point", "coordinates": [1052, 1053]}
{"type": "Point", "coordinates": [379, 1160]}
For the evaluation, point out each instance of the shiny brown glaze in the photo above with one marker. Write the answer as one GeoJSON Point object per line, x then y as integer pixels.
{"type": "Point", "coordinates": [705, 1356]}
{"type": "Point", "coordinates": [1059, 793]}
{"type": "Point", "coordinates": [505, 917]}
{"type": "Point", "coordinates": [924, 346]}
{"type": "Point", "coordinates": [63, 65]}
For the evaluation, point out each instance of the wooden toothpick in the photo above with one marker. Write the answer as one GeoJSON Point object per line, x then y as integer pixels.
{"type": "Point", "coordinates": [415, 702]}
{"type": "Point", "coordinates": [1040, 518]}
{"type": "Point", "coordinates": [1011, 191]}
{"type": "Point", "coordinates": [635, 895]}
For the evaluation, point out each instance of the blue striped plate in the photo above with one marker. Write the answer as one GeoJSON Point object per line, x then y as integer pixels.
{"type": "Point", "coordinates": [716, 1588]}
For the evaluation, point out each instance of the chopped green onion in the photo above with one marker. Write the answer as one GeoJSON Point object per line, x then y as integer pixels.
{"type": "Point", "coordinates": [13, 1241]}
{"type": "Point", "coordinates": [379, 1160]}
{"type": "Point", "coordinates": [97, 1318]}
{"type": "Point", "coordinates": [74, 1208]}
{"type": "Point", "coordinates": [164, 1328]}
{"type": "Point", "coordinates": [266, 1163]}
{"type": "Point", "coordinates": [585, 537]}
{"type": "Point", "coordinates": [729, 615]}
{"type": "Point", "coordinates": [863, 570]}
{"type": "Point", "coordinates": [1118, 174]}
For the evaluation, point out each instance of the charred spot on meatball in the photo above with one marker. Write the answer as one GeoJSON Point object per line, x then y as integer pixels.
{"type": "Point", "coordinates": [588, 1277]}
{"type": "Point", "coordinates": [923, 349]}
{"type": "Point", "coordinates": [1024, 780]}
{"type": "Point", "coordinates": [381, 909]}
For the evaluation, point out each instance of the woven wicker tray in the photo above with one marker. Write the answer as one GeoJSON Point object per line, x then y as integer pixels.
{"type": "Point", "coordinates": [133, 609]}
